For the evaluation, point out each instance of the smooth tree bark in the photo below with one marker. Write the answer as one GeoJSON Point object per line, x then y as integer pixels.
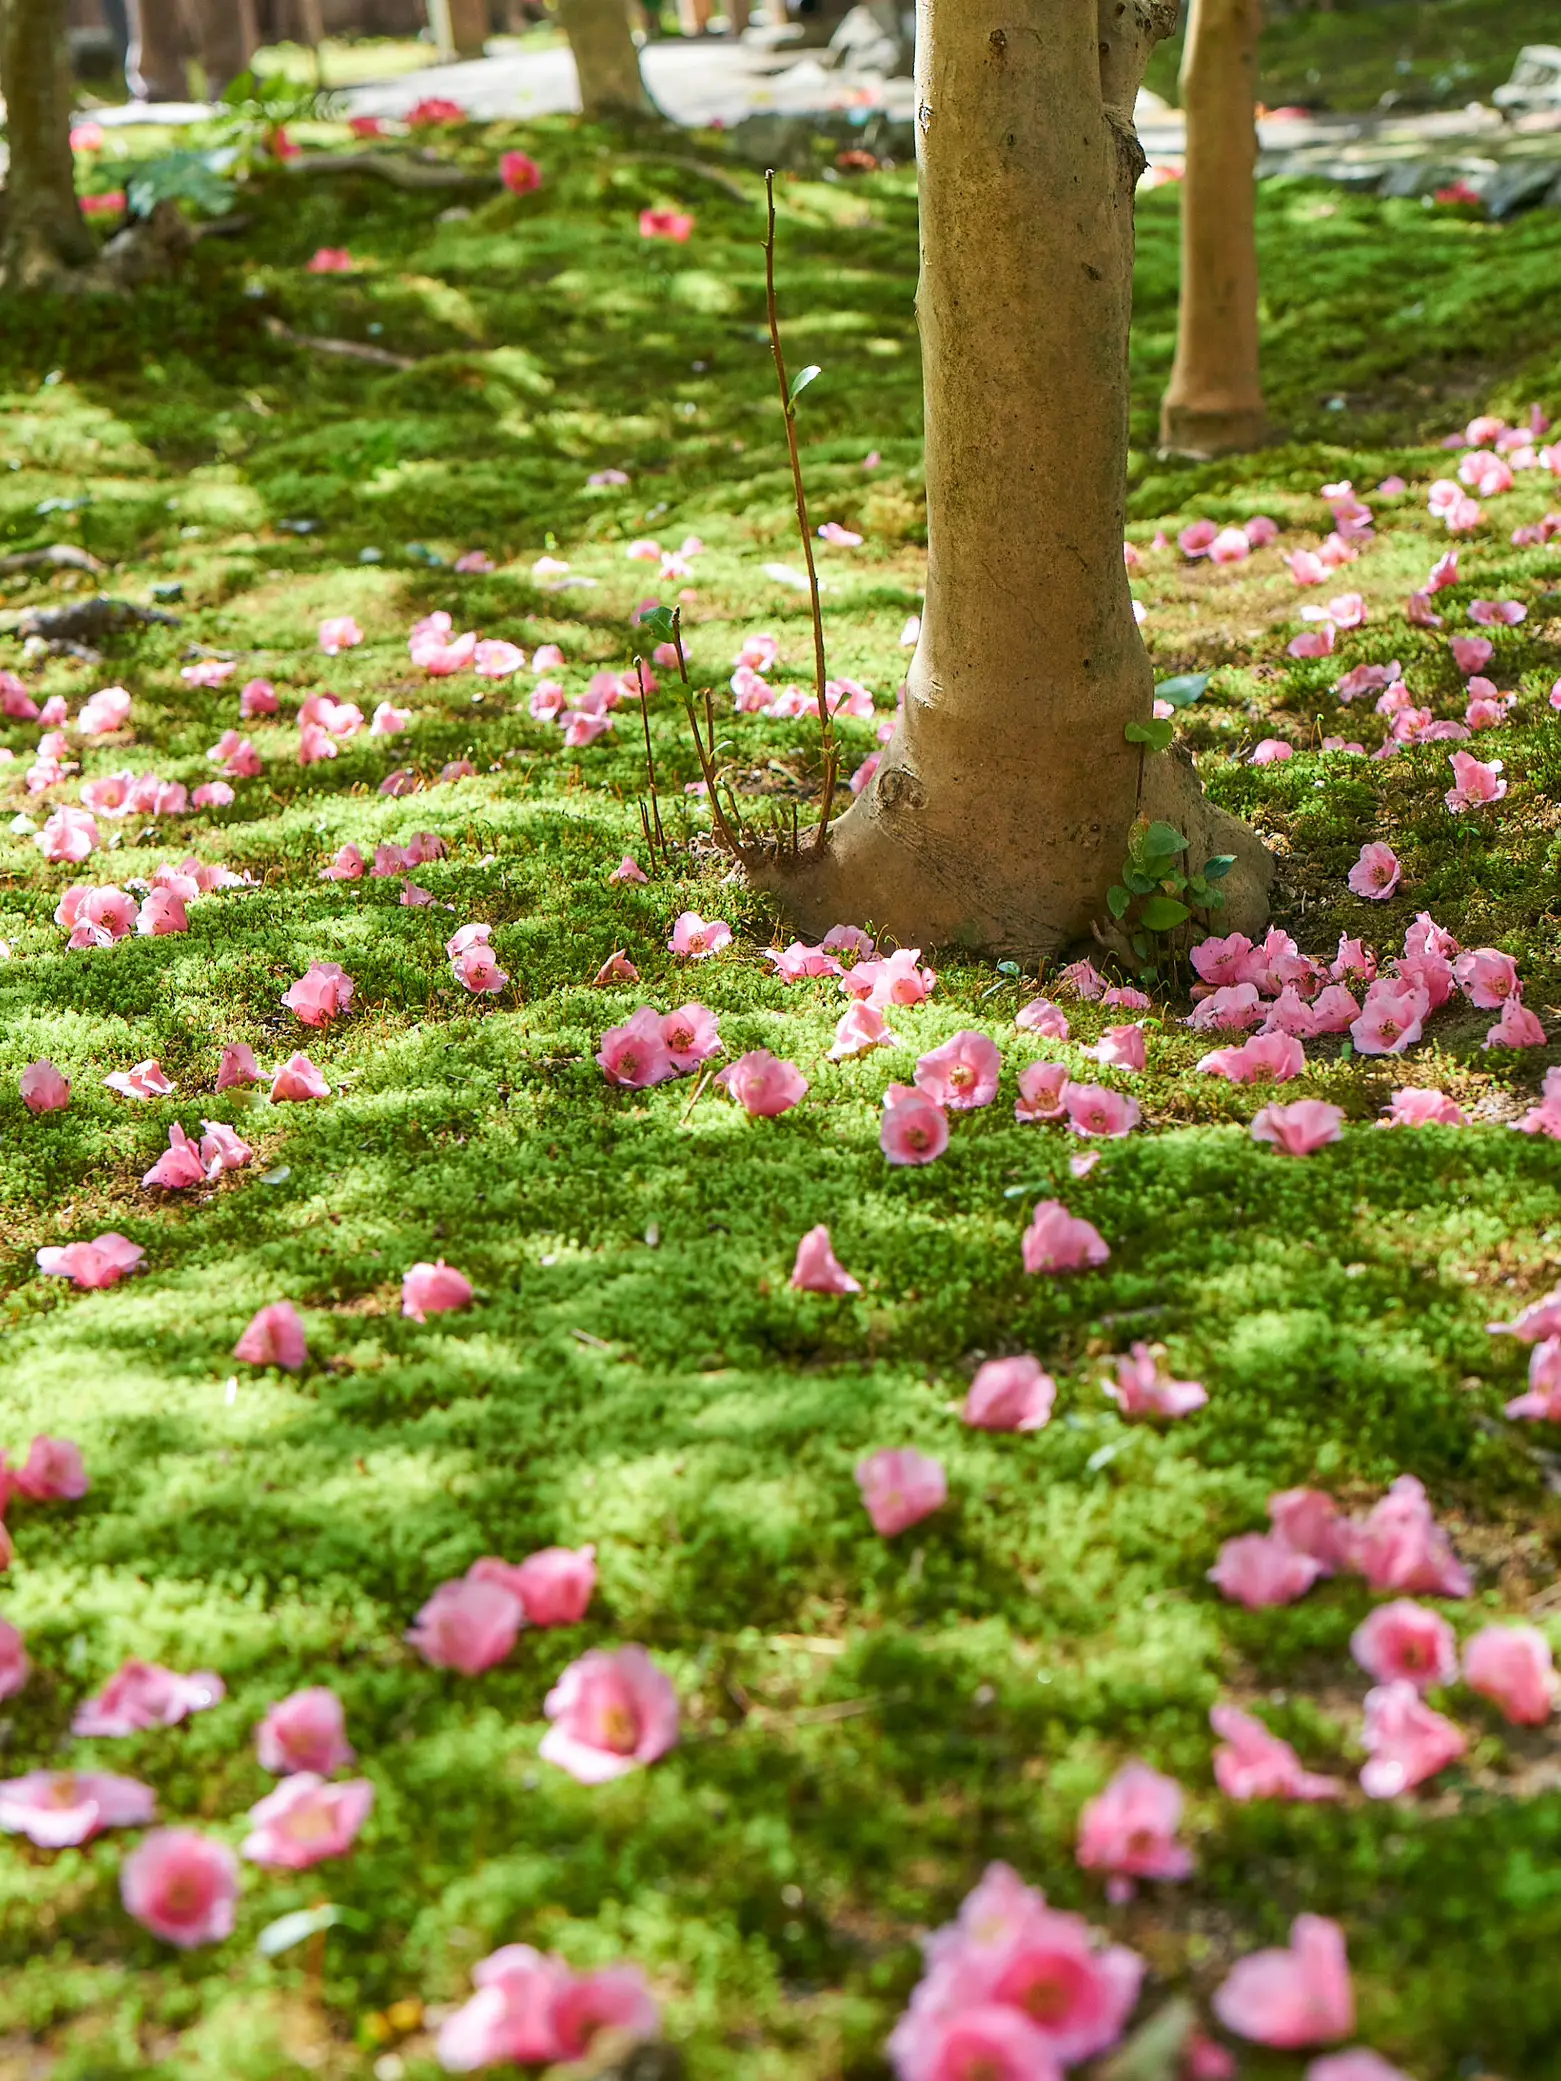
{"type": "Point", "coordinates": [1214, 405]}
{"type": "Point", "coordinates": [45, 234]}
{"type": "Point", "coordinates": [611, 84]}
{"type": "Point", "coordinates": [1001, 811]}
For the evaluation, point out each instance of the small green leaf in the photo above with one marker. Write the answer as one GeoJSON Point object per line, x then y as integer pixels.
{"type": "Point", "coordinates": [1164, 838]}
{"type": "Point", "coordinates": [1215, 900]}
{"type": "Point", "coordinates": [1162, 913]}
{"type": "Point", "coordinates": [297, 1928]}
{"type": "Point", "coordinates": [1183, 690]}
{"type": "Point", "coordinates": [1117, 900]}
{"type": "Point", "coordinates": [1215, 870]}
{"type": "Point", "coordinates": [1156, 735]}
{"type": "Point", "coordinates": [1009, 968]}
{"type": "Point", "coordinates": [802, 379]}
{"type": "Point", "coordinates": [1140, 884]}
{"type": "Point", "coordinates": [660, 622]}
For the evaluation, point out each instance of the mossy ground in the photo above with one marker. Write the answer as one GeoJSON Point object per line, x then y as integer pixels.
{"type": "Point", "coordinates": [867, 1723]}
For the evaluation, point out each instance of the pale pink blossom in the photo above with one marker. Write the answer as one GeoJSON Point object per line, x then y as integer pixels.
{"type": "Point", "coordinates": [1057, 1241]}
{"type": "Point", "coordinates": [438, 653]}
{"type": "Point", "coordinates": [553, 1586]}
{"type": "Point", "coordinates": [695, 938]}
{"type": "Point", "coordinates": [859, 1029]}
{"type": "Point", "coordinates": [14, 1665]}
{"type": "Point", "coordinates": [468, 1625]}
{"type": "Point", "coordinates": [1355, 2065]}
{"type": "Point", "coordinates": [1405, 1641]}
{"type": "Point", "coordinates": [1273, 751]}
{"type": "Point", "coordinates": [208, 672]}
{"type": "Point", "coordinates": [1392, 1017]}
{"type": "Point", "coordinates": [1258, 1570]}
{"type": "Point", "coordinates": [179, 1166]}
{"type": "Point", "coordinates": [1542, 1402]}
{"type": "Point", "coordinates": [495, 659]}
{"type": "Point", "coordinates": [104, 712]}
{"type": "Point", "coordinates": [961, 1074]}
{"type": "Point", "coordinates": [53, 1472]}
{"type": "Point", "coordinates": [1234, 1008]}
{"type": "Point", "coordinates": [1333, 1010]}
{"type": "Point", "coordinates": [340, 632]}
{"type": "Point", "coordinates": [346, 866]}
{"type": "Point", "coordinates": [1129, 1829]}
{"type": "Point", "coordinates": [531, 2010]}
{"type": "Point", "coordinates": [296, 1080]}
{"type": "Point", "coordinates": [1406, 1741]}
{"type": "Point", "coordinates": [1252, 1763]}
{"type": "Point", "coordinates": [61, 1809]}
{"type": "Point", "coordinates": [274, 1337]}
{"type": "Point", "coordinates": [1092, 1109]}
{"type": "Point", "coordinates": [1307, 567]}
{"type": "Point", "coordinates": [238, 1066]}
{"type": "Point", "coordinates": [1042, 1017]}
{"type": "Point", "coordinates": [69, 835]}
{"type": "Point", "coordinates": [1298, 1996]}
{"type": "Point", "coordinates": [305, 1820]}
{"type": "Point", "coordinates": [1513, 1667]}
{"type": "Point", "coordinates": [1517, 1027]}
{"type": "Point", "coordinates": [1423, 1108]}
{"type": "Point", "coordinates": [900, 1487]}
{"type": "Point", "coordinates": [43, 1088]}
{"type": "Point", "coordinates": [434, 1289]}
{"type": "Point", "coordinates": [305, 1732]}
{"type": "Point", "coordinates": [1494, 614]}
{"type": "Point", "coordinates": [1232, 545]}
{"type": "Point", "coordinates": [256, 697]}
{"type": "Point", "coordinates": [1301, 1128]}
{"type": "Point", "coordinates": [915, 1128]}
{"type": "Point", "coordinates": [1010, 1394]}
{"type": "Point", "coordinates": [319, 994]}
{"type": "Point", "coordinates": [1083, 978]}
{"type": "Point", "coordinates": [763, 1084]}
{"type": "Point", "coordinates": [142, 1695]}
{"type": "Point", "coordinates": [1399, 1546]}
{"type": "Point", "coordinates": [1377, 873]}
{"type": "Point", "coordinates": [1471, 654]}
{"type": "Point", "coordinates": [161, 913]}
{"type": "Point", "coordinates": [690, 1035]}
{"type": "Point", "coordinates": [1476, 782]}
{"type": "Point", "coordinates": [548, 701]}
{"type": "Point", "coordinates": [146, 1080]}
{"type": "Point", "coordinates": [1273, 1055]}
{"type": "Point", "coordinates": [799, 962]}
{"type": "Point", "coordinates": [1197, 539]}
{"type": "Point", "coordinates": [1541, 1320]}
{"type": "Point", "coordinates": [817, 1269]}
{"type": "Point", "coordinates": [1043, 1088]}
{"type": "Point", "coordinates": [612, 1712]}
{"type": "Point", "coordinates": [1144, 1388]}
{"type": "Point", "coordinates": [635, 1054]}
{"type": "Point", "coordinates": [1311, 643]}
{"type": "Point", "coordinates": [896, 979]}
{"type": "Point", "coordinates": [1487, 977]}
{"type": "Point", "coordinates": [181, 1886]}
{"type": "Point", "coordinates": [235, 755]}
{"type": "Point", "coordinates": [102, 1262]}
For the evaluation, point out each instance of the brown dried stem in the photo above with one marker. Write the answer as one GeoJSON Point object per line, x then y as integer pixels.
{"type": "Point", "coordinates": [650, 760]}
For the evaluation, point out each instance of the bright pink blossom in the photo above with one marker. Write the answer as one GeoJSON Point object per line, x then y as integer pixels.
{"type": "Point", "coordinates": [181, 1886]}
{"type": "Point", "coordinates": [1399, 1546]}
{"type": "Point", "coordinates": [1392, 1017]}
{"type": "Point", "coordinates": [1252, 1763]}
{"type": "Point", "coordinates": [346, 866]}
{"type": "Point", "coordinates": [690, 1035]}
{"type": "Point", "coordinates": [1144, 1388]}
{"type": "Point", "coordinates": [1043, 1087]}
{"type": "Point", "coordinates": [1517, 1027]}
{"type": "Point", "coordinates": [60, 1809]}
{"type": "Point", "coordinates": [434, 1289]}
{"type": "Point", "coordinates": [763, 1084]}
{"type": "Point", "coordinates": [519, 172]}
{"type": "Point", "coordinates": [531, 2010]}
{"type": "Point", "coordinates": [817, 1269]}
{"type": "Point", "coordinates": [1257, 1570]}
{"type": "Point", "coordinates": [43, 1088]}
{"type": "Point", "coordinates": [900, 1487]}
{"type": "Point", "coordinates": [70, 834]}
{"type": "Point", "coordinates": [695, 938]}
{"type": "Point", "coordinates": [1298, 1996]}
{"type": "Point", "coordinates": [14, 1665]}
{"type": "Point", "coordinates": [296, 1080]}
{"type": "Point", "coordinates": [1405, 1641]}
{"type": "Point", "coordinates": [141, 1695]}
{"type": "Point", "coordinates": [677, 225]}
{"type": "Point", "coordinates": [1120, 1047]}
{"type": "Point", "coordinates": [238, 1066]}
{"type": "Point", "coordinates": [53, 1472]}
{"type": "Point", "coordinates": [961, 1074]}
{"type": "Point", "coordinates": [553, 1586]}
{"type": "Point", "coordinates": [102, 1262]}
{"type": "Point", "coordinates": [612, 1712]}
{"type": "Point", "coordinates": [1129, 1829]}
{"type": "Point", "coordinates": [1421, 1108]}
{"type": "Point", "coordinates": [1487, 977]}
{"type": "Point", "coordinates": [1513, 1667]}
{"type": "Point", "coordinates": [799, 961]}
{"type": "Point", "coordinates": [635, 1054]}
{"type": "Point", "coordinates": [1233, 1008]}
{"type": "Point", "coordinates": [305, 1732]}
{"type": "Point", "coordinates": [320, 993]}
{"type": "Point", "coordinates": [1041, 1016]}
{"type": "Point", "coordinates": [340, 632]}
{"type": "Point", "coordinates": [860, 1028]}
{"type": "Point", "coordinates": [1406, 1741]}
{"type": "Point", "coordinates": [1010, 1394]}
{"type": "Point", "coordinates": [305, 1820]}
{"type": "Point", "coordinates": [1377, 873]}
{"type": "Point", "coordinates": [1057, 1241]}
{"type": "Point", "coordinates": [466, 1625]}
{"type": "Point", "coordinates": [1299, 1129]}
{"type": "Point", "coordinates": [1092, 1109]}
{"type": "Point", "coordinates": [274, 1337]}
{"type": "Point", "coordinates": [180, 1166]}
{"type": "Point", "coordinates": [915, 1128]}
{"type": "Point", "coordinates": [1276, 1056]}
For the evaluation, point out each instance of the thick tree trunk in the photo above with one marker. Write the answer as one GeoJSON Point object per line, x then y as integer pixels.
{"type": "Point", "coordinates": [45, 232]}
{"type": "Point", "coordinates": [1215, 403]}
{"type": "Point", "coordinates": [1001, 811]}
{"type": "Point", "coordinates": [605, 58]}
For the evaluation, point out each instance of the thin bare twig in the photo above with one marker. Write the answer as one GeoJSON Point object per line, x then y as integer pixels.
{"type": "Point", "coordinates": [789, 409]}
{"type": "Point", "coordinates": [63, 556]}
{"type": "Point", "coordinates": [650, 757]}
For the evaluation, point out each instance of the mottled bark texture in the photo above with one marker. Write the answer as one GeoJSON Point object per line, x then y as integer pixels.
{"type": "Point", "coordinates": [611, 84]}
{"type": "Point", "coordinates": [1001, 811]}
{"type": "Point", "coordinates": [1215, 403]}
{"type": "Point", "coordinates": [45, 234]}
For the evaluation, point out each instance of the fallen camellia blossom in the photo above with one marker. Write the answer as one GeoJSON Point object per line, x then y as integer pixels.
{"type": "Point", "coordinates": [144, 1694]}
{"type": "Point", "coordinates": [628, 869]}
{"type": "Point", "coordinates": [238, 1066]}
{"type": "Point", "coordinates": [1399, 1546]}
{"type": "Point", "coordinates": [274, 1337]}
{"type": "Point", "coordinates": [961, 1074]}
{"type": "Point", "coordinates": [467, 1625]}
{"type": "Point", "coordinates": [530, 2009]}
{"type": "Point", "coordinates": [1513, 1667]}
{"type": "Point", "coordinates": [612, 1712]}
{"type": "Point", "coordinates": [53, 1472]}
{"type": "Point", "coordinates": [860, 1028]}
{"type": "Point", "coordinates": [1144, 1388]}
{"type": "Point", "coordinates": [762, 1084]}
{"type": "Point", "coordinates": [1093, 1109]}
{"type": "Point", "coordinates": [305, 1820]}
{"type": "Point", "coordinates": [915, 1130]}
{"type": "Point", "coordinates": [306, 1731]}
{"type": "Point", "coordinates": [102, 1262]}
{"type": "Point", "coordinates": [1258, 1570]}
{"type": "Point", "coordinates": [696, 939]}
{"type": "Point", "coordinates": [1406, 1642]}
{"type": "Point", "coordinates": [1516, 1028]}
{"type": "Point", "coordinates": [1476, 782]}
{"type": "Point", "coordinates": [1252, 1763]}
{"type": "Point", "coordinates": [1358, 2064]}
{"type": "Point", "coordinates": [1275, 1056]}
{"type": "Point", "coordinates": [635, 1054]}
{"type": "Point", "coordinates": [43, 1088]}
{"type": "Point", "coordinates": [1377, 873]}
{"type": "Point", "coordinates": [61, 1809]}
{"type": "Point", "coordinates": [1043, 1090]}
{"type": "Point", "coordinates": [1119, 1047]}
{"type": "Point", "coordinates": [1299, 1129]}
{"type": "Point", "coordinates": [434, 1289]}
{"type": "Point", "coordinates": [179, 1166]}
{"type": "Point", "coordinates": [690, 1036]}
{"type": "Point", "coordinates": [677, 225]}
{"type": "Point", "coordinates": [1041, 1016]}
{"type": "Point", "coordinates": [817, 1269]}
{"type": "Point", "coordinates": [1129, 1830]}
{"type": "Point", "coordinates": [1422, 1108]}
{"type": "Point", "coordinates": [297, 1080]}
{"type": "Point", "coordinates": [319, 994]}
{"type": "Point", "coordinates": [1057, 1241]}
{"type": "Point", "coordinates": [182, 1886]}
{"type": "Point", "coordinates": [617, 968]}
{"type": "Point", "coordinates": [1542, 1403]}
{"type": "Point", "coordinates": [1010, 1394]}
{"type": "Point", "coordinates": [900, 1487]}
{"type": "Point", "coordinates": [1293, 1997]}
{"type": "Point", "coordinates": [1407, 1742]}
{"type": "Point", "coordinates": [553, 1587]}
{"type": "Point", "coordinates": [146, 1080]}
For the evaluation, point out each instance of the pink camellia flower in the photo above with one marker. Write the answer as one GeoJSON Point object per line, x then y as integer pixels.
{"type": "Point", "coordinates": [106, 711]}
{"type": "Point", "coordinates": [1495, 614]}
{"type": "Point", "coordinates": [275, 1337]}
{"type": "Point", "coordinates": [519, 172]}
{"type": "Point", "coordinates": [763, 1084]}
{"type": "Point", "coordinates": [141, 1695]}
{"type": "Point", "coordinates": [690, 1035]}
{"type": "Point", "coordinates": [1355, 2065]}
{"type": "Point", "coordinates": [389, 721]}
{"type": "Point", "coordinates": [1472, 654]}
{"type": "Point", "coordinates": [1277, 1056]}
{"type": "Point", "coordinates": [1254, 1764]}
{"type": "Point", "coordinates": [617, 968]}
{"type": "Point", "coordinates": [900, 1487]}
{"type": "Point", "coordinates": [466, 1625]}
{"type": "Point", "coordinates": [531, 2010]}
{"type": "Point", "coordinates": [1043, 1017]}
{"type": "Point", "coordinates": [553, 1587]}
{"type": "Point", "coordinates": [339, 634]}
{"type": "Point", "coordinates": [297, 1080]}
{"type": "Point", "coordinates": [180, 1166]}
{"type": "Point", "coordinates": [628, 869]}
{"type": "Point", "coordinates": [1512, 1666]}
{"type": "Point", "coordinates": [329, 260]}
{"type": "Point", "coordinates": [1197, 539]}
{"type": "Point", "coordinates": [612, 1712]}
{"type": "Point", "coordinates": [222, 1149]}
{"type": "Point", "coordinates": [1043, 1088]}
{"type": "Point", "coordinates": [1476, 782]}
{"type": "Point", "coordinates": [181, 1886]}
{"type": "Point", "coordinates": [1232, 545]}
{"type": "Point", "coordinates": [1392, 1017]}
{"type": "Point", "coordinates": [635, 1054]}
{"type": "Point", "coordinates": [1092, 1109]}
{"type": "Point", "coordinates": [346, 866]}
{"type": "Point", "coordinates": [60, 1809]}
{"type": "Point", "coordinates": [238, 1066]}
{"type": "Point", "coordinates": [305, 1732]}
{"type": "Point", "coordinates": [1517, 1027]}
{"type": "Point", "coordinates": [1307, 567]}
{"type": "Point", "coordinates": [817, 1270]}
{"type": "Point", "coordinates": [161, 913]}
{"type": "Point", "coordinates": [1406, 1741]}
{"type": "Point", "coordinates": [1057, 1241]}
{"type": "Point", "coordinates": [1377, 873]}
{"type": "Point", "coordinates": [305, 1820]}
{"type": "Point", "coordinates": [434, 1289]}
{"type": "Point", "coordinates": [319, 994]}
{"type": "Point", "coordinates": [1258, 1570]}
{"type": "Point", "coordinates": [1421, 1108]}
{"type": "Point", "coordinates": [1540, 1321]}
{"type": "Point", "coordinates": [498, 660]}
{"type": "Point", "coordinates": [1234, 1008]}
{"type": "Point", "coordinates": [208, 672]}
{"type": "Point", "coordinates": [1010, 1394]}
{"type": "Point", "coordinates": [859, 1029]}
{"type": "Point", "coordinates": [1299, 1996]}
{"type": "Point", "coordinates": [43, 1089]}
{"type": "Point", "coordinates": [235, 755]}
{"type": "Point", "coordinates": [676, 225]}
{"type": "Point", "coordinates": [1120, 1047]}
{"type": "Point", "coordinates": [915, 1128]}
{"type": "Point", "coordinates": [1542, 1403]}
{"type": "Point", "coordinates": [256, 697]}
{"type": "Point", "coordinates": [1404, 1641]}
{"type": "Point", "coordinates": [1130, 1829]}
{"type": "Point", "coordinates": [98, 917]}
{"type": "Point", "coordinates": [1311, 643]}
{"type": "Point", "coordinates": [477, 969]}
{"type": "Point", "coordinates": [53, 1472]}
{"type": "Point", "coordinates": [1273, 751]}
{"type": "Point", "coordinates": [961, 1074]}
{"type": "Point", "coordinates": [1299, 1129]}
{"type": "Point", "coordinates": [102, 1262]}
{"type": "Point", "coordinates": [1487, 978]}
{"type": "Point", "coordinates": [147, 1080]}
{"type": "Point", "coordinates": [800, 962]}
{"type": "Point", "coordinates": [70, 834]}
{"type": "Point", "coordinates": [695, 938]}
{"type": "Point", "coordinates": [14, 1665]}
{"type": "Point", "coordinates": [1144, 1388]}
{"type": "Point", "coordinates": [1399, 1546]}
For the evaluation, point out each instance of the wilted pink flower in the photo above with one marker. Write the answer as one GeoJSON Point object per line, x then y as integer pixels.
{"type": "Point", "coordinates": [1092, 1109]}
{"type": "Point", "coordinates": [1407, 1742]}
{"type": "Point", "coordinates": [1144, 1388]}
{"type": "Point", "coordinates": [238, 1066]}
{"type": "Point", "coordinates": [900, 1487]}
{"type": "Point", "coordinates": [1299, 1996]}
{"type": "Point", "coordinates": [305, 1732]}
{"type": "Point", "coordinates": [466, 1625]}
{"type": "Point", "coordinates": [346, 866]}
{"type": "Point", "coordinates": [1308, 1521]}
{"type": "Point", "coordinates": [69, 834]}
{"type": "Point", "coordinates": [1399, 1546]}
{"type": "Point", "coordinates": [762, 1084]}
{"type": "Point", "coordinates": [798, 962]}
{"type": "Point", "coordinates": [611, 1712]}
{"type": "Point", "coordinates": [320, 993]}
{"type": "Point", "coordinates": [341, 632]}
{"type": "Point", "coordinates": [305, 1820]}
{"type": "Point", "coordinates": [635, 1054]}
{"type": "Point", "coordinates": [434, 1289]}
{"type": "Point", "coordinates": [1041, 1016]}
{"type": "Point", "coordinates": [275, 1337]}
{"type": "Point", "coordinates": [961, 1074]}
{"type": "Point", "coordinates": [1299, 1129]}
{"type": "Point", "coordinates": [1512, 1666]}
{"type": "Point", "coordinates": [1542, 1403]}
{"type": "Point", "coordinates": [53, 1472]}
{"type": "Point", "coordinates": [1010, 1394]}
{"type": "Point", "coordinates": [1516, 1028]}
{"type": "Point", "coordinates": [1257, 1570]}
{"type": "Point", "coordinates": [628, 869]}
{"type": "Point", "coordinates": [1492, 614]}
{"type": "Point", "coordinates": [1233, 1008]}
{"type": "Point", "coordinates": [181, 1886]}
{"type": "Point", "coordinates": [1254, 1764]}
{"type": "Point", "coordinates": [1377, 873]}
{"type": "Point", "coordinates": [1405, 1641]}
{"type": "Point", "coordinates": [915, 1128]}
{"type": "Point", "coordinates": [141, 1695]}
{"type": "Point", "coordinates": [1421, 1108]}
{"type": "Point", "coordinates": [43, 1089]}
{"type": "Point", "coordinates": [60, 1809]}
{"type": "Point", "coordinates": [102, 1262]}
{"type": "Point", "coordinates": [1278, 1056]}
{"type": "Point", "coordinates": [695, 938]}
{"type": "Point", "coordinates": [817, 1270]}
{"type": "Point", "coordinates": [1057, 1241]}
{"type": "Point", "coordinates": [860, 1028]}
{"type": "Point", "coordinates": [617, 968]}
{"type": "Point", "coordinates": [1043, 1087]}
{"type": "Point", "coordinates": [179, 1166]}
{"type": "Point", "coordinates": [554, 1586]}
{"type": "Point", "coordinates": [1129, 1829]}
{"type": "Point", "coordinates": [296, 1080]}
{"type": "Point", "coordinates": [1476, 782]}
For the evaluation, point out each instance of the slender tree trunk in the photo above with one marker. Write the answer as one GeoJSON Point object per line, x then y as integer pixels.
{"type": "Point", "coordinates": [159, 46]}
{"type": "Point", "coordinates": [605, 58]}
{"type": "Point", "coordinates": [1215, 403]}
{"type": "Point", "coordinates": [1001, 811]}
{"type": "Point", "coordinates": [45, 232]}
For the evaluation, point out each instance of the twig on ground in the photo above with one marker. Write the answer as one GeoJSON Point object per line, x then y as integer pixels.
{"type": "Point", "coordinates": [63, 556]}
{"type": "Point", "coordinates": [343, 350]}
{"type": "Point", "coordinates": [685, 164]}
{"type": "Point", "coordinates": [399, 171]}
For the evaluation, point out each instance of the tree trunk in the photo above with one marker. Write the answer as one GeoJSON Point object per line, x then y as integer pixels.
{"type": "Point", "coordinates": [1215, 403]}
{"type": "Point", "coordinates": [155, 65]}
{"type": "Point", "coordinates": [605, 58]}
{"type": "Point", "coordinates": [45, 232]}
{"type": "Point", "coordinates": [1001, 811]}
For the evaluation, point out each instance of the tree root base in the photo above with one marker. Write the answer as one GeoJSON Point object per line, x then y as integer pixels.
{"type": "Point", "coordinates": [1203, 435]}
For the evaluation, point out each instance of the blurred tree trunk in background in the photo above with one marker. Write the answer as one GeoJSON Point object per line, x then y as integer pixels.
{"type": "Point", "coordinates": [44, 233]}
{"type": "Point", "coordinates": [611, 83]}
